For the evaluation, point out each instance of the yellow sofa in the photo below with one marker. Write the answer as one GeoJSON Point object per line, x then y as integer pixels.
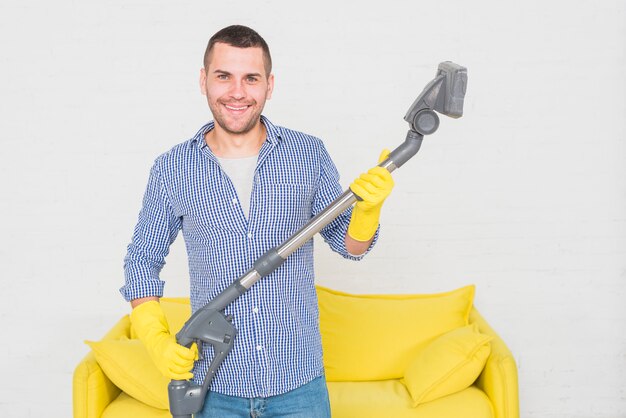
{"type": "Point", "coordinates": [376, 363]}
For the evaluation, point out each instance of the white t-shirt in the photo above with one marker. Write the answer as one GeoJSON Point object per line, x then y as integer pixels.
{"type": "Point", "coordinates": [241, 174]}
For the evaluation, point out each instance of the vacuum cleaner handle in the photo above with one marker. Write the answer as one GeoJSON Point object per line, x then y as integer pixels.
{"type": "Point", "coordinates": [209, 325]}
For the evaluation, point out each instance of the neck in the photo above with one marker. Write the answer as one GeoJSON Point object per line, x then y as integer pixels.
{"type": "Point", "coordinates": [234, 145]}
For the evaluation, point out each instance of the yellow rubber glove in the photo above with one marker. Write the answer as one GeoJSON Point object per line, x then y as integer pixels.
{"type": "Point", "coordinates": [373, 187]}
{"type": "Point", "coordinates": [172, 359]}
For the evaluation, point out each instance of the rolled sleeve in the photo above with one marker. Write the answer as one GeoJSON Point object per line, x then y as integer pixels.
{"type": "Point", "coordinates": [156, 229]}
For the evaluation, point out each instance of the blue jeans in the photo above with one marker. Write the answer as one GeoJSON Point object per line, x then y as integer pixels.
{"type": "Point", "coordinates": [307, 401]}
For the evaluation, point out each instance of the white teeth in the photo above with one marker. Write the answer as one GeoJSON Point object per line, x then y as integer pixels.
{"type": "Point", "coordinates": [235, 108]}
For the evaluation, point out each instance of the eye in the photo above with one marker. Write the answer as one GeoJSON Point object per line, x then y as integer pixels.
{"type": "Point", "coordinates": [222, 76]}
{"type": "Point", "coordinates": [252, 79]}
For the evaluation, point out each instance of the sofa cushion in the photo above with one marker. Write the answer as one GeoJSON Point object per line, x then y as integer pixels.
{"type": "Point", "coordinates": [390, 398]}
{"type": "Point", "coordinates": [448, 364]}
{"type": "Point", "coordinates": [128, 407]}
{"type": "Point", "coordinates": [128, 365]}
{"type": "Point", "coordinates": [373, 337]}
{"type": "Point", "coordinates": [353, 399]}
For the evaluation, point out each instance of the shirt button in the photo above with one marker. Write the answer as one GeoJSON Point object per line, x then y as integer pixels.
{"type": "Point", "coordinates": [259, 347]}
{"type": "Point", "coordinates": [249, 235]}
{"type": "Point", "coordinates": [234, 201]}
{"type": "Point", "coordinates": [255, 310]}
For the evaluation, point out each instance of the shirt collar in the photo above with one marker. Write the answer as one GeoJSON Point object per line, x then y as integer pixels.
{"type": "Point", "coordinates": [273, 132]}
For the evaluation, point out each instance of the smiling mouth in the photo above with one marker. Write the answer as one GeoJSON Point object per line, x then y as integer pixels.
{"type": "Point", "coordinates": [236, 108]}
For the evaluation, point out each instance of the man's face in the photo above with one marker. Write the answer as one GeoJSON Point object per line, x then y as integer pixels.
{"type": "Point", "coordinates": [236, 87]}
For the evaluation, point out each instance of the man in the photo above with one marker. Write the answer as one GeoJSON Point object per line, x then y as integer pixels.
{"type": "Point", "coordinates": [239, 187]}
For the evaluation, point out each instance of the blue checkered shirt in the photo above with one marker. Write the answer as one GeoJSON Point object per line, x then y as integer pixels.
{"type": "Point", "coordinates": [278, 346]}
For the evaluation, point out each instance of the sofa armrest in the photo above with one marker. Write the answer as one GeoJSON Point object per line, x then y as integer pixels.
{"type": "Point", "coordinates": [499, 377]}
{"type": "Point", "coordinates": [92, 391]}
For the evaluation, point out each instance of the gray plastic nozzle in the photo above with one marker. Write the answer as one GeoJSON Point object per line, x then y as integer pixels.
{"type": "Point", "coordinates": [452, 93]}
{"type": "Point", "coordinates": [445, 94]}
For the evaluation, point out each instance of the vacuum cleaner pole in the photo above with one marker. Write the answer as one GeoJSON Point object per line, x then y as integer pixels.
{"type": "Point", "coordinates": [209, 325]}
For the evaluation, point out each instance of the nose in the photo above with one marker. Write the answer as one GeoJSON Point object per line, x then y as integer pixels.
{"type": "Point", "coordinates": [237, 90]}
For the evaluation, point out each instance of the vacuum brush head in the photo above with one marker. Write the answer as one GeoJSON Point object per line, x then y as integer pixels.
{"type": "Point", "coordinates": [445, 94]}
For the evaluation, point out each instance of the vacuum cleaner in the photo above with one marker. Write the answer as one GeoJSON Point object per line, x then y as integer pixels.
{"type": "Point", "coordinates": [209, 325]}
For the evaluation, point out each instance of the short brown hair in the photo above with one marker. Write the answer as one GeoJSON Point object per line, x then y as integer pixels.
{"type": "Point", "coordinates": [241, 37]}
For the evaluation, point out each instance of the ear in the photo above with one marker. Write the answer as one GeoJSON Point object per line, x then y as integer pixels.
{"type": "Point", "coordinates": [270, 86]}
{"type": "Point", "coordinates": [203, 81]}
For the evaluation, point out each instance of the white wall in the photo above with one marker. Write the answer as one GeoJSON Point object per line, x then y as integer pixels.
{"type": "Point", "coordinates": [524, 196]}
